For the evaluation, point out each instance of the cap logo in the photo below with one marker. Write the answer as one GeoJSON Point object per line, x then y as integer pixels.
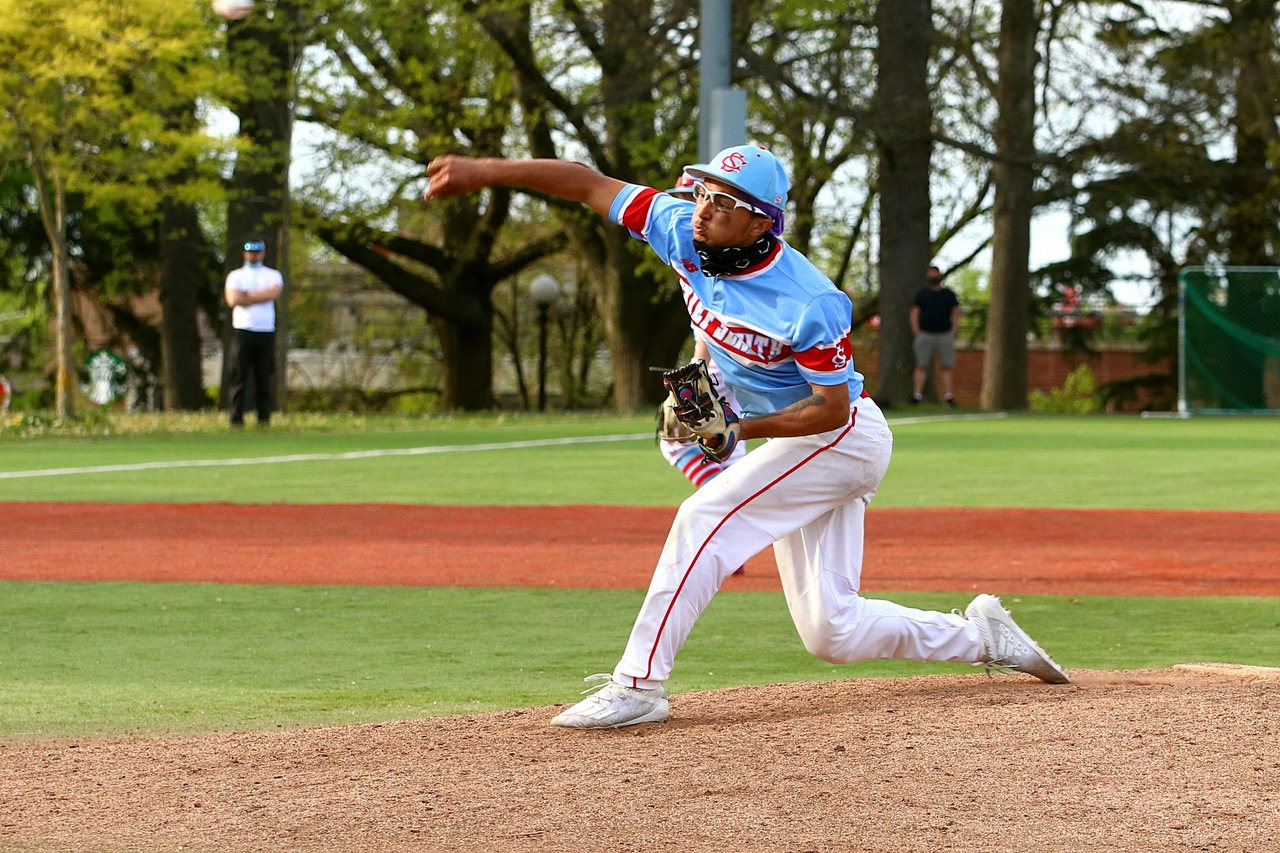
{"type": "Point", "coordinates": [733, 162]}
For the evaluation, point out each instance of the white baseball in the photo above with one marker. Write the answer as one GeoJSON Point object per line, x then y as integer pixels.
{"type": "Point", "coordinates": [232, 10]}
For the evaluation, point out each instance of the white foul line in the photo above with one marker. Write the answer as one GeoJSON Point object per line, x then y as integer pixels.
{"type": "Point", "coordinates": [374, 454]}
{"type": "Point", "coordinates": [317, 457]}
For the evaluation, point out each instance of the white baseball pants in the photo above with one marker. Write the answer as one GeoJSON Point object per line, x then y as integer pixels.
{"type": "Point", "coordinates": [806, 496]}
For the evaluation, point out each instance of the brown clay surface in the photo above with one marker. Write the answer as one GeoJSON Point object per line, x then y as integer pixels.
{"type": "Point", "coordinates": [1085, 552]}
{"type": "Point", "coordinates": [1184, 759]}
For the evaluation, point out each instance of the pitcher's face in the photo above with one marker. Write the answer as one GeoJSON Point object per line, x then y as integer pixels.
{"type": "Point", "coordinates": [722, 218]}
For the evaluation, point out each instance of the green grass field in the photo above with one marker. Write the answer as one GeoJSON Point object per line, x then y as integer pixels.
{"type": "Point", "coordinates": [1031, 461]}
{"type": "Point", "coordinates": [108, 658]}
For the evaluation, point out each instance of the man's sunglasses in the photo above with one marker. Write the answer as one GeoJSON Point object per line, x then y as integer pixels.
{"type": "Point", "coordinates": [723, 202]}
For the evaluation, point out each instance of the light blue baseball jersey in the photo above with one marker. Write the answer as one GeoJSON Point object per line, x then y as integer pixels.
{"type": "Point", "coordinates": [772, 330]}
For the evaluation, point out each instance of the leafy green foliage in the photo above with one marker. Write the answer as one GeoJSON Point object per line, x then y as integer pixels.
{"type": "Point", "coordinates": [99, 99]}
{"type": "Point", "coordinates": [88, 86]}
{"type": "Point", "coordinates": [1076, 396]}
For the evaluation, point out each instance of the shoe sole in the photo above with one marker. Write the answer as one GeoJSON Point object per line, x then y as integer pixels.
{"type": "Point", "coordinates": [657, 715]}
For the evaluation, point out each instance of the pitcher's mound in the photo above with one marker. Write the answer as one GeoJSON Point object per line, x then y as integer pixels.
{"type": "Point", "coordinates": [1233, 671]}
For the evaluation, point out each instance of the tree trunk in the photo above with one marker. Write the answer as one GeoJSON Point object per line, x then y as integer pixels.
{"type": "Point", "coordinates": [53, 207]}
{"type": "Point", "coordinates": [182, 277]}
{"type": "Point", "coordinates": [1251, 223]}
{"type": "Point", "coordinates": [902, 119]}
{"type": "Point", "coordinates": [1004, 372]}
{"type": "Point", "coordinates": [645, 325]}
{"type": "Point", "coordinates": [64, 401]}
{"type": "Point", "coordinates": [467, 381]}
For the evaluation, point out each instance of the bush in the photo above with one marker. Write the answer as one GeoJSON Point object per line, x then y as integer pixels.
{"type": "Point", "coordinates": [1075, 397]}
{"type": "Point", "coordinates": [360, 400]}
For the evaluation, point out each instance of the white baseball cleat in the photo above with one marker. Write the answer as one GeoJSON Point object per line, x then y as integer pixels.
{"type": "Point", "coordinates": [1008, 646]}
{"type": "Point", "coordinates": [614, 706]}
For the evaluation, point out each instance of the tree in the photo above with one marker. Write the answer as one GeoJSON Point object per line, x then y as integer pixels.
{"type": "Point", "coordinates": [1252, 218]}
{"type": "Point", "coordinates": [22, 248]}
{"type": "Point", "coordinates": [805, 65]}
{"type": "Point", "coordinates": [903, 127]}
{"type": "Point", "coordinates": [1253, 232]}
{"type": "Point", "coordinates": [389, 102]}
{"type": "Point", "coordinates": [599, 85]}
{"type": "Point", "coordinates": [187, 271]}
{"type": "Point", "coordinates": [78, 98]}
{"type": "Point", "coordinates": [1180, 168]}
{"type": "Point", "coordinates": [1004, 371]}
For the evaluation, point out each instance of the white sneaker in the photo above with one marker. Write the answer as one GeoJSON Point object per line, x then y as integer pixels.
{"type": "Point", "coordinates": [1008, 646]}
{"type": "Point", "coordinates": [614, 706]}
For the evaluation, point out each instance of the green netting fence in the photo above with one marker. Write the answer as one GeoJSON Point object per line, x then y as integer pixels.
{"type": "Point", "coordinates": [1229, 340]}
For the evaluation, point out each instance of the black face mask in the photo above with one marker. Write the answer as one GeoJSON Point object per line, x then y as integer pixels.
{"type": "Point", "coordinates": [734, 260]}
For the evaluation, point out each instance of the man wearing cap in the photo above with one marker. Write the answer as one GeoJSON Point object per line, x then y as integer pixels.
{"type": "Point", "coordinates": [779, 331]}
{"type": "Point", "coordinates": [251, 292]}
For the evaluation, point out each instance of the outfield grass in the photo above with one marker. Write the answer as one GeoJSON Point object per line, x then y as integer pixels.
{"type": "Point", "coordinates": [1029, 461]}
{"type": "Point", "coordinates": [109, 658]}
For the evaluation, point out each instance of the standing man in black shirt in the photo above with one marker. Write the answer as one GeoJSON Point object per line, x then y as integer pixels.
{"type": "Point", "coordinates": [935, 316]}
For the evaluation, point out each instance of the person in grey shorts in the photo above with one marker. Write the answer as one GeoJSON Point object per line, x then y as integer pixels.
{"type": "Point", "coordinates": [935, 316]}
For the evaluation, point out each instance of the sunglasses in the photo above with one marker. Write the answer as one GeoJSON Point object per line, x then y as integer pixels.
{"type": "Point", "coordinates": [723, 202]}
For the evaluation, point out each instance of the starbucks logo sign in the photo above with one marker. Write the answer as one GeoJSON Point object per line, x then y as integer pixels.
{"type": "Point", "coordinates": [103, 377]}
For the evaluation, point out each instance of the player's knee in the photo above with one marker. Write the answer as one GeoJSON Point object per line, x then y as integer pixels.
{"type": "Point", "coordinates": [824, 649]}
{"type": "Point", "coordinates": [825, 639]}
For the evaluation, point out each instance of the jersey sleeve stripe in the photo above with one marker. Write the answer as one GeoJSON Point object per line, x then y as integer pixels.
{"type": "Point", "coordinates": [635, 210]}
{"type": "Point", "coordinates": [830, 359]}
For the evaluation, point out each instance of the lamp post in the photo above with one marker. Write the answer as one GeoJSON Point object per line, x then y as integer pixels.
{"type": "Point", "coordinates": [545, 290]}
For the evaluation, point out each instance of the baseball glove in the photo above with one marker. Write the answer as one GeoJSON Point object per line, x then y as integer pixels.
{"type": "Point", "coordinates": [697, 405]}
{"type": "Point", "coordinates": [669, 426]}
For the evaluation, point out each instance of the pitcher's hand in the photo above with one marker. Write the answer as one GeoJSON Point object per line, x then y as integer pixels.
{"type": "Point", "coordinates": [453, 175]}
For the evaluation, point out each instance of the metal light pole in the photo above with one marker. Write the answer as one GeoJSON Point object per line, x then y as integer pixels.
{"type": "Point", "coordinates": [722, 107]}
{"type": "Point", "coordinates": [545, 290]}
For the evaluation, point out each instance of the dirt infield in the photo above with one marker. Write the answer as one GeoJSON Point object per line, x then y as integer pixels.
{"type": "Point", "coordinates": [1083, 552]}
{"type": "Point", "coordinates": [1185, 759]}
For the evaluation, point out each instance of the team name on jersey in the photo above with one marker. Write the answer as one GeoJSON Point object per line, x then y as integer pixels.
{"type": "Point", "coordinates": [748, 345]}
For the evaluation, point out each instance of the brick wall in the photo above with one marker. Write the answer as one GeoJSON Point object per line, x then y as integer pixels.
{"type": "Point", "coordinates": [1048, 366]}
